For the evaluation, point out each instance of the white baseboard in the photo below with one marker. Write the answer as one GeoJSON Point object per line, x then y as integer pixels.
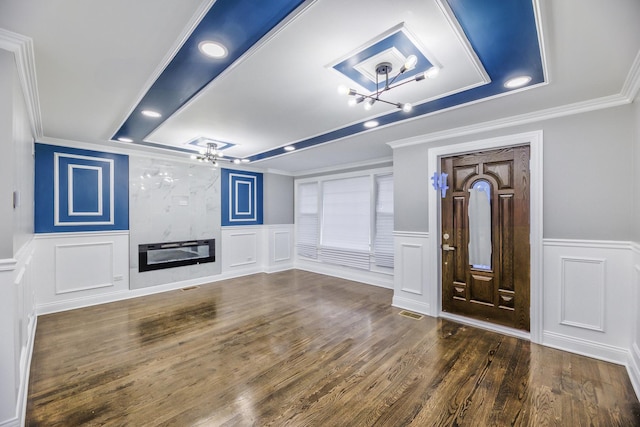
{"type": "Point", "coordinates": [608, 353]}
{"type": "Point", "coordinates": [278, 267]}
{"type": "Point", "coordinates": [411, 305]}
{"type": "Point", "coordinates": [13, 422]}
{"type": "Point", "coordinates": [633, 368]}
{"type": "Point", "coordinates": [25, 369]}
{"type": "Point", "coordinates": [362, 276]}
{"type": "Point", "coordinates": [87, 301]}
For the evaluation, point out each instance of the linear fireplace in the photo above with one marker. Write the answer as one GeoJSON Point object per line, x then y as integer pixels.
{"type": "Point", "coordinates": [156, 256]}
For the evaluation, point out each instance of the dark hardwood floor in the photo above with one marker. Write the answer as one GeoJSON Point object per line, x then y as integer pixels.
{"type": "Point", "coordinates": [301, 349]}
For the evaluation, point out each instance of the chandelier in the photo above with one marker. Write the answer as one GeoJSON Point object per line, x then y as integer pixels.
{"type": "Point", "coordinates": [210, 155]}
{"type": "Point", "coordinates": [383, 69]}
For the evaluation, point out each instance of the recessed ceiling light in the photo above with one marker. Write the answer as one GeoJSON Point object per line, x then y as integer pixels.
{"type": "Point", "coordinates": [245, 160]}
{"type": "Point", "coordinates": [289, 148]}
{"type": "Point", "coordinates": [151, 113]}
{"type": "Point", "coordinates": [517, 82]}
{"type": "Point", "coordinates": [236, 161]}
{"type": "Point", "coordinates": [212, 49]}
{"type": "Point", "coordinates": [124, 139]}
{"type": "Point", "coordinates": [371, 124]}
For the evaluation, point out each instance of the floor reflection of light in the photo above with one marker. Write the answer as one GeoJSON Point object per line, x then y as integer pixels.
{"type": "Point", "coordinates": [245, 406]}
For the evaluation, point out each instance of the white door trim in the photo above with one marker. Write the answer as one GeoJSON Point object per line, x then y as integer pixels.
{"type": "Point", "coordinates": [534, 140]}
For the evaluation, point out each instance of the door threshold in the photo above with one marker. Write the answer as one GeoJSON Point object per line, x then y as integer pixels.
{"type": "Point", "coordinates": [505, 330]}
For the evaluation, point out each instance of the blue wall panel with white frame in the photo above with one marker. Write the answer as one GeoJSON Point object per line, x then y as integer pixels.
{"type": "Point", "coordinates": [80, 190]}
{"type": "Point", "coordinates": [241, 197]}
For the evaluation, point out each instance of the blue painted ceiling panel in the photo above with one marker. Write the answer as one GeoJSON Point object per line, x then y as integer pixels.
{"type": "Point", "coordinates": [502, 33]}
{"type": "Point", "coordinates": [236, 24]}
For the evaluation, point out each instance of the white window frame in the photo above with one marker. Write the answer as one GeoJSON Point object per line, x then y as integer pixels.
{"type": "Point", "coordinates": [371, 174]}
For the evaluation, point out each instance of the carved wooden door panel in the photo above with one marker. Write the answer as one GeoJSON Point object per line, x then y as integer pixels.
{"type": "Point", "coordinates": [485, 236]}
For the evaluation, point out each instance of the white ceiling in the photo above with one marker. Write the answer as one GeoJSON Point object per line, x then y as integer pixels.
{"type": "Point", "coordinates": [96, 60]}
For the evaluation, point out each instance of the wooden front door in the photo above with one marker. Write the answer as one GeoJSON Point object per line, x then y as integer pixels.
{"type": "Point", "coordinates": [485, 236]}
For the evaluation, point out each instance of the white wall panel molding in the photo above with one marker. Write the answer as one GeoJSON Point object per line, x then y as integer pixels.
{"type": "Point", "coordinates": [8, 264]}
{"type": "Point", "coordinates": [632, 83]}
{"type": "Point", "coordinates": [22, 48]}
{"type": "Point", "coordinates": [96, 263]}
{"type": "Point", "coordinates": [77, 266]}
{"type": "Point", "coordinates": [279, 247]}
{"type": "Point", "coordinates": [633, 364]}
{"type": "Point", "coordinates": [589, 297]}
{"type": "Point", "coordinates": [412, 290]}
{"type": "Point", "coordinates": [420, 234]}
{"type": "Point", "coordinates": [582, 302]}
{"type": "Point", "coordinates": [601, 244]}
{"type": "Point", "coordinates": [535, 142]}
{"type": "Point", "coordinates": [17, 325]}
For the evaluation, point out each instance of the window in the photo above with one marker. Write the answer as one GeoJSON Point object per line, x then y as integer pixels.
{"type": "Point", "coordinates": [346, 213]}
{"type": "Point", "coordinates": [383, 243]}
{"type": "Point", "coordinates": [347, 220]}
{"type": "Point", "coordinates": [307, 220]}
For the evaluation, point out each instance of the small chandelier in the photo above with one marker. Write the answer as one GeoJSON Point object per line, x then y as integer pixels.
{"type": "Point", "coordinates": [210, 155]}
{"type": "Point", "coordinates": [384, 69]}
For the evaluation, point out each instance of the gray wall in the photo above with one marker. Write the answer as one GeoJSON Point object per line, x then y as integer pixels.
{"type": "Point", "coordinates": [636, 215]}
{"type": "Point", "coordinates": [6, 162]}
{"type": "Point", "coordinates": [23, 170]}
{"type": "Point", "coordinates": [278, 199]}
{"type": "Point", "coordinates": [16, 162]}
{"type": "Point", "coordinates": [588, 176]}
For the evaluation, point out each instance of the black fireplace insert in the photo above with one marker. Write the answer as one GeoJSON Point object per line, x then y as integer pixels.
{"type": "Point", "coordinates": [156, 256]}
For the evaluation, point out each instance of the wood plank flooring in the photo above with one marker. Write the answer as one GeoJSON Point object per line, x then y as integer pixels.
{"type": "Point", "coordinates": [302, 349]}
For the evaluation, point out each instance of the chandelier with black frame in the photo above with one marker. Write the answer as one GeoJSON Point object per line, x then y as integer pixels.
{"type": "Point", "coordinates": [384, 69]}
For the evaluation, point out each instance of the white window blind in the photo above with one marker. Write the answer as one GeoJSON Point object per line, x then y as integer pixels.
{"type": "Point", "coordinates": [383, 242]}
{"type": "Point", "coordinates": [346, 222]}
{"type": "Point", "coordinates": [346, 213]}
{"type": "Point", "coordinates": [307, 220]}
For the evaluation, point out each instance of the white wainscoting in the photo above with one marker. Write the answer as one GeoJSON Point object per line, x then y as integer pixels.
{"type": "Point", "coordinates": [633, 364]}
{"type": "Point", "coordinates": [17, 329]}
{"type": "Point", "coordinates": [80, 269]}
{"type": "Point", "coordinates": [589, 298]}
{"type": "Point", "coordinates": [279, 247]}
{"type": "Point", "coordinates": [411, 289]}
{"type": "Point", "coordinates": [253, 249]}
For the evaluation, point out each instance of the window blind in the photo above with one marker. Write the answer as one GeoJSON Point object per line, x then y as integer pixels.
{"type": "Point", "coordinates": [346, 214]}
{"type": "Point", "coordinates": [383, 241]}
{"type": "Point", "coordinates": [307, 220]}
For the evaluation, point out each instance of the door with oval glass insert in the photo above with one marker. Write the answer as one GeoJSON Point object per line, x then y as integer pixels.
{"type": "Point", "coordinates": [485, 236]}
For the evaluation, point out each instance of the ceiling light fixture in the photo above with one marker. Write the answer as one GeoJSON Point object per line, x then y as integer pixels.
{"type": "Point", "coordinates": [371, 124]}
{"type": "Point", "coordinates": [384, 69]}
{"type": "Point", "coordinates": [124, 139]}
{"type": "Point", "coordinates": [211, 154]}
{"type": "Point", "coordinates": [212, 49]}
{"type": "Point", "coordinates": [517, 82]}
{"type": "Point", "coordinates": [151, 113]}
{"type": "Point", "coordinates": [289, 148]}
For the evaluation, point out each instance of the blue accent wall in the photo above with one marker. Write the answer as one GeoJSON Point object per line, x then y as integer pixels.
{"type": "Point", "coordinates": [80, 190]}
{"type": "Point", "coordinates": [241, 197]}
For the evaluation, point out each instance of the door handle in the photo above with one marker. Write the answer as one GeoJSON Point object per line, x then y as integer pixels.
{"type": "Point", "coordinates": [446, 247]}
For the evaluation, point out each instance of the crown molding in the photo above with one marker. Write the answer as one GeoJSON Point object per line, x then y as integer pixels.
{"type": "Point", "coordinates": [342, 167]}
{"type": "Point", "coordinates": [537, 116]}
{"type": "Point", "coordinates": [631, 85]}
{"type": "Point", "coordinates": [22, 48]}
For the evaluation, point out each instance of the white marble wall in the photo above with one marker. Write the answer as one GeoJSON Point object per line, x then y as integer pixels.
{"type": "Point", "coordinates": [172, 201]}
